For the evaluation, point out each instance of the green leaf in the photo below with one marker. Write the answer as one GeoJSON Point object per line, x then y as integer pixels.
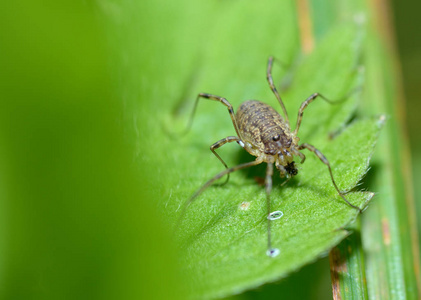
{"type": "Point", "coordinates": [389, 234]}
{"type": "Point", "coordinates": [347, 267]}
{"type": "Point", "coordinates": [223, 233]}
{"type": "Point", "coordinates": [225, 245]}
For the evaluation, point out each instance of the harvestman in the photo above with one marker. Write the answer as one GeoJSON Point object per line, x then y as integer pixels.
{"type": "Point", "coordinates": [264, 133]}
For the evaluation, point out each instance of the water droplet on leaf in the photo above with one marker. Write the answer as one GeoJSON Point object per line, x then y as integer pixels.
{"type": "Point", "coordinates": [273, 252]}
{"type": "Point", "coordinates": [275, 215]}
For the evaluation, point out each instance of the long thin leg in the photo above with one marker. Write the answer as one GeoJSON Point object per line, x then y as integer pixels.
{"type": "Point", "coordinates": [274, 90]}
{"type": "Point", "coordinates": [268, 188]}
{"type": "Point", "coordinates": [216, 98]}
{"type": "Point", "coordinates": [220, 143]}
{"type": "Point", "coordinates": [305, 104]}
{"type": "Point", "coordinates": [212, 180]}
{"type": "Point", "coordinates": [326, 162]}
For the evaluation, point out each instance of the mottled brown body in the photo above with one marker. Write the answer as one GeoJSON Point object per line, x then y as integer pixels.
{"type": "Point", "coordinates": [260, 124]}
{"type": "Point", "coordinates": [264, 133]}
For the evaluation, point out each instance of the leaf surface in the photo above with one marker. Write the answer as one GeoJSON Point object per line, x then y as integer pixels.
{"type": "Point", "coordinates": [223, 234]}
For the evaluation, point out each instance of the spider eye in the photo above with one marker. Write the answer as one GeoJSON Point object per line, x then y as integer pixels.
{"type": "Point", "coordinates": [276, 138]}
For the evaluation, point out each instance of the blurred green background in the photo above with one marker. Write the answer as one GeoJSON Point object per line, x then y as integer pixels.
{"type": "Point", "coordinates": [408, 40]}
{"type": "Point", "coordinates": [76, 216]}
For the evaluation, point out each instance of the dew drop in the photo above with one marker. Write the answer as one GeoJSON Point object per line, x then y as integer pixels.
{"type": "Point", "coordinates": [275, 215]}
{"type": "Point", "coordinates": [273, 252]}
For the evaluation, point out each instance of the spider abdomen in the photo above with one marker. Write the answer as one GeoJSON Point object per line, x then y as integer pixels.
{"type": "Point", "coordinates": [263, 127]}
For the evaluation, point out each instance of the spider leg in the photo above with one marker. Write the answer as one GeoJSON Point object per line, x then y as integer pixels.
{"type": "Point", "coordinates": [212, 180]}
{"type": "Point", "coordinates": [303, 107]}
{"type": "Point", "coordinates": [268, 189]}
{"type": "Point", "coordinates": [215, 98]}
{"type": "Point", "coordinates": [326, 162]}
{"type": "Point", "coordinates": [274, 90]}
{"type": "Point", "coordinates": [220, 143]}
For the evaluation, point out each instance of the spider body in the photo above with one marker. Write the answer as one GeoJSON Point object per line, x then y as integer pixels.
{"type": "Point", "coordinates": [266, 135]}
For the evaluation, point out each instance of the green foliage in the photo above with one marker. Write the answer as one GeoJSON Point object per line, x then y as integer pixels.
{"type": "Point", "coordinates": [80, 196]}
{"type": "Point", "coordinates": [75, 210]}
{"type": "Point", "coordinates": [223, 245]}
